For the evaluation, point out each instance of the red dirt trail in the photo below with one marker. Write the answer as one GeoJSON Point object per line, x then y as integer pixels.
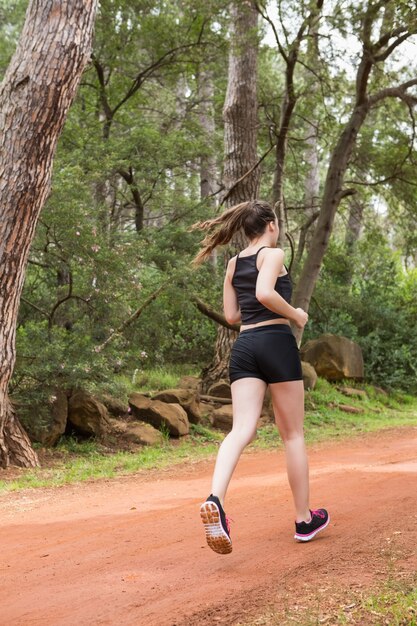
{"type": "Point", "coordinates": [131, 551]}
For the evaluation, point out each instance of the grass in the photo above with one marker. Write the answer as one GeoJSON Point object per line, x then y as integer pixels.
{"type": "Point", "coordinates": [73, 462]}
{"type": "Point", "coordinates": [158, 378]}
{"type": "Point", "coordinates": [326, 421]}
{"type": "Point", "coordinates": [392, 603]}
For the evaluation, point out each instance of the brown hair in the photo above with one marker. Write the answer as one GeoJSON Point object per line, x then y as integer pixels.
{"type": "Point", "coordinates": [253, 216]}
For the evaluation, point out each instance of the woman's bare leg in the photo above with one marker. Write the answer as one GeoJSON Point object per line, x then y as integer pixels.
{"type": "Point", "coordinates": [288, 403]}
{"type": "Point", "coordinates": [247, 399]}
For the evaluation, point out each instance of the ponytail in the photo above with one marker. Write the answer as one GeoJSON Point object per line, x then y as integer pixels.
{"type": "Point", "coordinates": [221, 229]}
{"type": "Point", "coordinates": [253, 216]}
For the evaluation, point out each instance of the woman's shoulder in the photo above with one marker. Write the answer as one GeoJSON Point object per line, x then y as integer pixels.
{"type": "Point", "coordinates": [272, 253]}
{"type": "Point", "coordinates": [231, 265]}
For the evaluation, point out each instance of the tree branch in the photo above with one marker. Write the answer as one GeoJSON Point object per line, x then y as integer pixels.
{"type": "Point", "coordinates": [35, 306]}
{"type": "Point", "coordinates": [131, 319]}
{"type": "Point", "coordinates": [209, 312]}
{"type": "Point", "coordinates": [384, 55]}
{"type": "Point", "coordinates": [274, 30]}
{"type": "Point", "coordinates": [149, 71]}
{"type": "Point", "coordinates": [395, 92]}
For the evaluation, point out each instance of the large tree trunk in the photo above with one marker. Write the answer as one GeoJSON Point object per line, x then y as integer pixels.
{"type": "Point", "coordinates": [312, 180]}
{"type": "Point", "coordinates": [372, 54]}
{"type": "Point", "coordinates": [240, 175]}
{"type": "Point", "coordinates": [208, 165]}
{"type": "Point", "coordinates": [35, 95]}
{"type": "Point", "coordinates": [332, 196]}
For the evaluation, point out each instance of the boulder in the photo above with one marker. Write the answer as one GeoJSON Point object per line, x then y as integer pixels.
{"type": "Point", "coordinates": [137, 432]}
{"type": "Point", "coordinates": [115, 407]}
{"type": "Point", "coordinates": [334, 357]}
{"type": "Point", "coordinates": [189, 382]}
{"type": "Point", "coordinates": [309, 375]}
{"type": "Point", "coordinates": [87, 415]}
{"type": "Point", "coordinates": [160, 414]}
{"type": "Point", "coordinates": [144, 434]}
{"type": "Point", "coordinates": [187, 398]}
{"type": "Point", "coordinates": [59, 416]}
{"type": "Point", "coordinates": [222, 418]}
{"type": "Point", "coordinates": [221, 389]}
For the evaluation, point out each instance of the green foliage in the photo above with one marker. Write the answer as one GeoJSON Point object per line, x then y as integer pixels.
{"type": "Point", "coordinates": [132, 148]}
{"type": "Point", "coordinates": [377, 308]}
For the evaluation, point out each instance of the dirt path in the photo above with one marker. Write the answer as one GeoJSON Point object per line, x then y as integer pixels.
{"type": "Point", "coordinates": [131, 551]}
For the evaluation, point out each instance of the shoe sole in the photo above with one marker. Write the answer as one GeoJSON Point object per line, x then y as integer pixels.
{"type": "Point", "coordinates": [216, 537]}
{"type": "Point", "coordinates": [311, 536]}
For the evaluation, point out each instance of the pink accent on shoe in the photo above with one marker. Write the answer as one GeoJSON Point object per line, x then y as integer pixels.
{"type": "Point", "coordinates": [228, 520]}
{"type": "Point", "coordinates": [318, 513]}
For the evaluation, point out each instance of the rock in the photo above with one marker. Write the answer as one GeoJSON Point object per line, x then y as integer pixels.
{"type": "Point", "coordinates": [160, 414]}
{"type": "Point", "coordinates": [222, 418]}
{"type": "Point", "coordinates": [145, 434]}
{"type": "Point", "coordinates": [267, 408]}
{"type": "Point", "coordinates": [349, 409]}
{"type": "Point", "coordinates": [115, 407]}
{"type": "Point", "coordinates": [334, 357]}
{"type": "Point", "coordinates": [137, 432]}
{"type": "Point", "coordinates": [351, 392]}
{"type": "Point", "coordinates": [309, 375]}
{"type": "Point", "coordinates": [189, 382]}
{"type": "Point", "coordinates": [220, 389]}
{"type": "Point", "coordinates": [59, 416]}
{"type": "Point", "coordinates": [187, 398]}
{"type": "Point", "coordinates": [87, 415]}
{"type": "Point", "coordinates": [264, 420]}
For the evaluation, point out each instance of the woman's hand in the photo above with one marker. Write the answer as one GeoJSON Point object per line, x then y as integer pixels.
{"type": "Point", "coordinates": [301, 318]}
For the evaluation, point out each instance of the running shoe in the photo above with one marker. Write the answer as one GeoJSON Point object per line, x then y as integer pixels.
{"type": "Point", "coordinates": [305, 531]}
{"type": "Point", "coordinates": [216, 525]}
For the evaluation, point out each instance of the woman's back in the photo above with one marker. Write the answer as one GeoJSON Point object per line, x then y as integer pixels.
{"type": "Point", "coordinates": [244, 282]}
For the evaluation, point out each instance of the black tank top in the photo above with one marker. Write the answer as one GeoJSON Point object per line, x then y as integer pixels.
{"type": "Point", "coordinates": [244, 281]}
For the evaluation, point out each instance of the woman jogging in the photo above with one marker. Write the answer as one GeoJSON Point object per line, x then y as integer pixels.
{"type": "Point", "coordinates": [257, 293]}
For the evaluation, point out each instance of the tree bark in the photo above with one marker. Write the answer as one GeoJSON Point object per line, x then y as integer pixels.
{"type": "Point", "coordinates": [240, 146]}
{"type": "Point", "coordinates": [37, 90]}
{"type": "Point", "coordinates": [208, 166]}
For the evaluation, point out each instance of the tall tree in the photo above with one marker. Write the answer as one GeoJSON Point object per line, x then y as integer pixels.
{"type": "Point", "coordinates": [376, 49]}
{"type": "Point", "coordinates": [35, 95]}
{"type": "Point", "coordinates": [241, 172]}
{"type": "Point", "coordinates": [290, 53]}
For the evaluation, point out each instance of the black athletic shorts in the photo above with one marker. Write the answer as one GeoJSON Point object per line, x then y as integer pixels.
{"type": "Point", "coordinates": [266, 352]}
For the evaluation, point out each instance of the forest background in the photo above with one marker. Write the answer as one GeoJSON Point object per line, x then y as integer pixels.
{"type": "Point", "coordinates": [110, 290]}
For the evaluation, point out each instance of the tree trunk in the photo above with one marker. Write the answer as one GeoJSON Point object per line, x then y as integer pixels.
{"type": "Point", "coordinates": [354, 225]}
{"type": "Point", "coordinates": [332, 196]}
{"type": "Point", "coordinates": [208, 166]}
{"type": "Point", "coordinates": [240, 141]}
{"type": "Point", "coordinates": [35, 95]}
{"type": "Point", "coordinates": [372, 54]}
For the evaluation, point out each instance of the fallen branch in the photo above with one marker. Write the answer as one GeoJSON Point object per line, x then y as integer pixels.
{"type": "Point", "coordinates": [130, 319]}
{"type": "Point", "coordinates": [214, 399]}
{"type": "Point", "coordinates": [212, 314]}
